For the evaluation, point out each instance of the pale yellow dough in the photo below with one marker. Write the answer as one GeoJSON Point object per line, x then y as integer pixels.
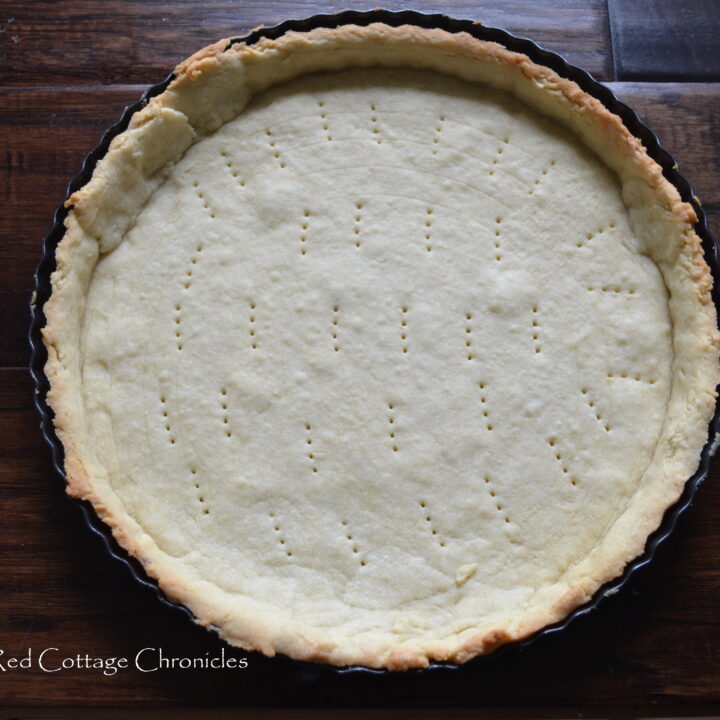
{"type": "Point", "coordinates": [381, 366]}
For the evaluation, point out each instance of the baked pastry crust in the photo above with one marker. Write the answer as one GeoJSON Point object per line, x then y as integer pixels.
{"type": "Point", "coordinates": [210, 90]}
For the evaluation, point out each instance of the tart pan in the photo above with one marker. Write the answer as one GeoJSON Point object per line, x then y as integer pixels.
{"type": "Point", "coordinates": [540, 56]}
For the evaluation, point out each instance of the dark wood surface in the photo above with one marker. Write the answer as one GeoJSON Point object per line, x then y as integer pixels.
{"type": "Point", "coordinates": [67, 69]}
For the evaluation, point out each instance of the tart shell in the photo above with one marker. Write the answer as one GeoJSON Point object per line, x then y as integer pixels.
{"type": "Point", "coordinates": [172, 116]}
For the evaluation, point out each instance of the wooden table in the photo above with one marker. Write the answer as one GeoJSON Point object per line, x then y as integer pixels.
{"type": "Point", "coordinates": [68, 68]}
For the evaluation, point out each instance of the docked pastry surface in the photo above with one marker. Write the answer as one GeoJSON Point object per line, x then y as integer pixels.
{"type": "Point", "coordinates": [381, 365]}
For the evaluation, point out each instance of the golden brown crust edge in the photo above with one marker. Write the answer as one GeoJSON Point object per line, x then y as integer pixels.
{"type": "Point", "coordinates": [249, 70]}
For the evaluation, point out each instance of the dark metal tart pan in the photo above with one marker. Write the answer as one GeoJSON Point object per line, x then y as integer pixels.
{"type": "Point", "coordinates": [540, 56]}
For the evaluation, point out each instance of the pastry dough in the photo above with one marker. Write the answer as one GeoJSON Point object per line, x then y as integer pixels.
{"type": "Point", "coordinates": [379, 345]}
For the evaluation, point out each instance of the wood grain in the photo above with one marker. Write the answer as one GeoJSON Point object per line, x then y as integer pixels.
{"type": "Point", "coordinates": [135, 41]}
{"type": "Point", "coordinates": [656, 645]}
